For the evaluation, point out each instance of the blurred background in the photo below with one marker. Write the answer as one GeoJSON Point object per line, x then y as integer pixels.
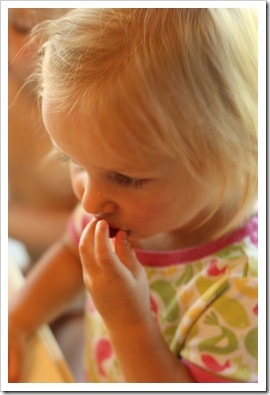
{"type": "Point", "coordinates": [40, 194]}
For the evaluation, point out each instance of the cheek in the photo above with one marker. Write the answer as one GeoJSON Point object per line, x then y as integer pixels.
{"type": "Point", "coordinates": [160, 212]}
{"type": "Point", "coordinates": [149, 211]}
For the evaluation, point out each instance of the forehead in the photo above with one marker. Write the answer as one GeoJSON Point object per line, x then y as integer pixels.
{"type": "Point", "coordinates": [83, 137]}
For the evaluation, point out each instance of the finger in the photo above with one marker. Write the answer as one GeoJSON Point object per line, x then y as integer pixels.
{"type": "Point", "coordinates": [125, 252]}
{"type": "Point", "coordinates": [87, 249]}
{"type": "Point", "coordinates": [104, 253]}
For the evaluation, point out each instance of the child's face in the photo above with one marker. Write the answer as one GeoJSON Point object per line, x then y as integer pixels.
{"type": "Point", "coordinates": [143, 194]}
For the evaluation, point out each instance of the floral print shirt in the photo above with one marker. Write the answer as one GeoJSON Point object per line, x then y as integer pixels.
{"type": "Point", "coordinates": [204, 300]}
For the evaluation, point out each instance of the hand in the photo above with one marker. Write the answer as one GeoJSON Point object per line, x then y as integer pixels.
{"type": "Point", "coordinates": [118, 285]}
{"type": "Point", "coordinates": [116, 280]}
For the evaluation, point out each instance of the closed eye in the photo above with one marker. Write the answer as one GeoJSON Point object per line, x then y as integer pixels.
{"type": "Point", "coordinates": [118, 178]}
{"type": "Point", "coordinates": [126, 181]}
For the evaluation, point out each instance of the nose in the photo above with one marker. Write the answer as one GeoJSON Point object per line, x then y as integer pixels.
{"type": "Point", "coordinates": [97, 200]}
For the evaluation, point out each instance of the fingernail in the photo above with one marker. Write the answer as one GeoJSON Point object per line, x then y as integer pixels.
{"type": "Point", "coordinates": [102, 224]}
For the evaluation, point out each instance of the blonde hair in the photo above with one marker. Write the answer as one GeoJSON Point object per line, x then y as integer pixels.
{"type": "Point", "coordinates": [182, 81]}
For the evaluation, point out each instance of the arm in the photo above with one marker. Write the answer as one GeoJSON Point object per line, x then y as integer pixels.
{"type": "Point", "coordinates": [54, 282]}
{"type": "Point", "coordinates": [38, 228]}
{"type": "Point", "coordinates": [145, 357]}
{"type": "Point", "coordinates": [118, 285]}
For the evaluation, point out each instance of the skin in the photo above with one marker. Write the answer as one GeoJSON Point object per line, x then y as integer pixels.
{"type": "Point", "coordinates": [40, 194]}
{"type": "Point", "coordinates": [135, 193]}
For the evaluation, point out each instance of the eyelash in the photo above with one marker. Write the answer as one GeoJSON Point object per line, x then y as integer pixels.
{"type": "Point", "coordinates": [128, 182]}
{"type": "Point", "coordinates": [65, 159]}
{"type": "Point", "coordinates": [61, 157]}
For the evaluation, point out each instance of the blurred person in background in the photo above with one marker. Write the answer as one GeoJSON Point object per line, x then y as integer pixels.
{"type": "Point", "coordinates": [40, 193]}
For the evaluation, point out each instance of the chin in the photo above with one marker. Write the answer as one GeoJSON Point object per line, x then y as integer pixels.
{"type": "Point", "coordinates": [134, 238]}
{"type": "Point", "coordinates": [138, 240]}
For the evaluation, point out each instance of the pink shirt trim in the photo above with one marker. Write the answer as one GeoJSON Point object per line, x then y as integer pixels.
{"type": "Point", "coordinates": [201, 376]}
{"type": "Point", "coordinates": [186, 255]}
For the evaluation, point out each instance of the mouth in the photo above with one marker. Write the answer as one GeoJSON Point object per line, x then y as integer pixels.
{"type": "Point", "coordinates": [113, 232]}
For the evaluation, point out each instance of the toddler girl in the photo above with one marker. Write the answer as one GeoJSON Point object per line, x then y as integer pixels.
{"type": "Point", "coordinates": [155, 111]}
